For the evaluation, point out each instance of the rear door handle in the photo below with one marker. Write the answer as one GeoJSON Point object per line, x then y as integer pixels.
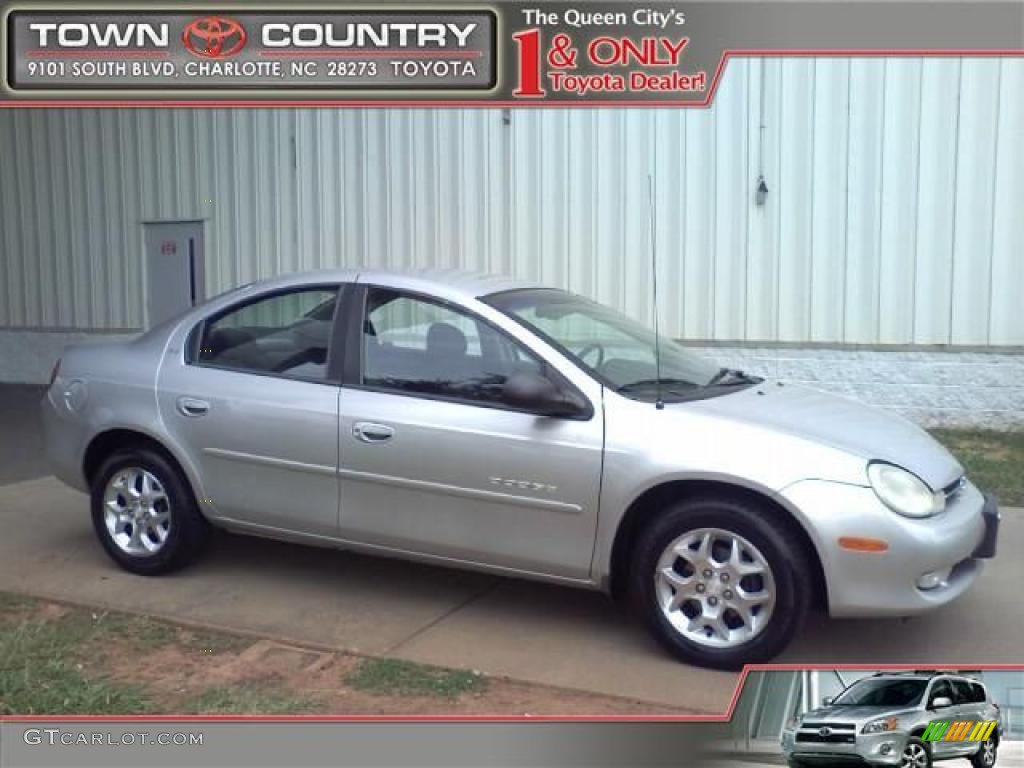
{"type": "Point", "coordinates": [191, 407]}
{"type": "Point", "coordinates": [368, 432]}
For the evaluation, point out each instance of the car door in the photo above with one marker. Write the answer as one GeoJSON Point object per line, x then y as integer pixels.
{"type": "Point", "coordinates": [969, 710]}
{"type": "Point", "coordinates": [434, 462]}
{"type": "Point", "coordinates": [255, 403]}
{"type": "Point", "coordinates": [942, 688]}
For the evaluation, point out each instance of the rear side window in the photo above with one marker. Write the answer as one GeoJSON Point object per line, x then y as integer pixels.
{"type": "Point", "coordinates": [286, 334]}
{"type": "Point", "coordinates": [962, 693]}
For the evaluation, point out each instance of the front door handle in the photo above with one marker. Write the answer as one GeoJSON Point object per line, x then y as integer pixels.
{"type": "Point", "coordinates": [368, 432]}
{"type": "Point", "coordinates": [192, 407]}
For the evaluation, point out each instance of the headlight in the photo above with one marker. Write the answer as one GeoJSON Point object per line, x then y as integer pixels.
{"type": "Point", "coordinates": [880, 726]}
{"type": "Point", "coordinates": [793, 723]}
{"type": "Point", "coordinates": [904, 492]}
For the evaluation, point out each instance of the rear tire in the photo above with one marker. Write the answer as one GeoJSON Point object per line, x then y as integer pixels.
{"type": "Point", "coordinates": [986, 755]}
{"type": "Point", "coordinates": [721, 582]}
{"type": "Point", "coordinates": [144, 513]}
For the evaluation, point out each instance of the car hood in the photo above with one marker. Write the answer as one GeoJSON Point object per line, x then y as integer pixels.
{"type": "Point", "coordinates": [839, 422]}
{"type": "Point", "coordinates": [841, 714]}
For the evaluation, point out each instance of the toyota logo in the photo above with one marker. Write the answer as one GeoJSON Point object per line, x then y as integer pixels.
{"type": "Point", "coordinates": [214, 37]}
{"type": "Point", "coordinates": [825, 732]}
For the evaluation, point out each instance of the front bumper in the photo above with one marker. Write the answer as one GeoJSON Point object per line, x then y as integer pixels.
{"type": "Point", "coordinates": [954, 543]}
{"type": "Point", "coordinates": [990, 513]}
{"type": "Point", "coordinates": [871, 749]}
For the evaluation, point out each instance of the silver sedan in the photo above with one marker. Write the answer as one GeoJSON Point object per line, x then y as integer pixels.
{"type": "Point", "coordinates": [508, 427]}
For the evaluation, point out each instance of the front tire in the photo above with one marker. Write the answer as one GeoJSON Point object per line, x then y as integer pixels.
{"type": "Point", "coordinates": [144, 513]}
{"type": "Point", "coordinates": [916, 754]}
{"type": "Point", "coordinates": [721, 582]}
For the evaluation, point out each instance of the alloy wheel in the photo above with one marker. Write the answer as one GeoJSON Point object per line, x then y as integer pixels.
{"type": "Point", "coordinates": [715, 588]}
{"type": "Point", "coordinates": [914, 756]}
{"type": "Point", "coordinates": [988, 752]}
{"type": "Point", "coordinates": [137, 512]}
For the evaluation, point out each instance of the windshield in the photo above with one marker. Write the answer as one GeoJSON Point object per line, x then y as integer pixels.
{"type": "Point", "coordinates": [617, 350]}
{"type": "Point", "coordinates": [882, 693]}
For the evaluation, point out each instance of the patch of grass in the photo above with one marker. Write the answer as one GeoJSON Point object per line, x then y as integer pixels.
{"type": "Point", "coordinates": [47, 661]}
{"type": "Point", "coordinates": [211, 641]}
{"type": "Point", "coordinates": [14, 608]}
{"type": "Point", "coordinates": [58, 659]}
{"type": "Point", "coordinates": [12, 602]}
{"type": "Point", "coordinates": [39, 674]}
{"type": "Point", "coordinates": [390, 677]}
{"type": "Point", "coordinates": [248, 699]}
{"type": "Point", "coordinates": [147, 633]}
{"type": "Point", "coordinates": [994, 460]}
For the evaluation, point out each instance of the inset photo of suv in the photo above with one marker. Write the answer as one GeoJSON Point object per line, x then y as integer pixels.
{"type": "Point", "coordinates": [898, 719]}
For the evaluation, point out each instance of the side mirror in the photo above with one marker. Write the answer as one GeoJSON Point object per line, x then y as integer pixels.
{"type": "Point", "coordinates": [533, 392]}
{"type": "Point", "coordinates": [827, 701]}
{"type": "Point", "coordinates": [941, 702]}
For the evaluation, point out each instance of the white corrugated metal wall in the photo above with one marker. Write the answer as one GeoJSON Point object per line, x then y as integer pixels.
{"type": "Point", "coordinates": [895, 212]}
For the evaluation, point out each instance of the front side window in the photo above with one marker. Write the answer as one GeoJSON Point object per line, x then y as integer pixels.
{"type": "Point", "coordinates": [288, 334]}
{"type": "Point", "coordinates": [875, 692]}
{"type": "Point", "coordinates": [618, 351]}
{"type": "Point", "coordinates": [414, 345]}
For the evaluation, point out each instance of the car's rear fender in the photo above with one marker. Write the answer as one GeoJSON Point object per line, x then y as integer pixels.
{"type": "Point", "coordinates": [104, 398]}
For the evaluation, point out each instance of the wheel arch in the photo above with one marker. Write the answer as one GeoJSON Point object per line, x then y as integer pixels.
{"type": "Point", "coordinates": [104, 443]}
{"type": "Point", "coordinates": [647, 504]}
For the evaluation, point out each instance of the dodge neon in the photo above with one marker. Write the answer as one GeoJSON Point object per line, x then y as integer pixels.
{"type": "Point", "coordinates": [484, 423]}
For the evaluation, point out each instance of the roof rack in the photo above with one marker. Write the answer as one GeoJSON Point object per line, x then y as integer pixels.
{"type": "Point", "coordinates": [971, 674]}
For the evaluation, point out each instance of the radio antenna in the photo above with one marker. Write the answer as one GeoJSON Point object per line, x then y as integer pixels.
{"type": "Point", "coordinates": [659, 402]}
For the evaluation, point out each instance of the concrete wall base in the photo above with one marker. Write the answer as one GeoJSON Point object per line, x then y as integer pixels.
{"type": "Point", "coordinates": [27, 357]}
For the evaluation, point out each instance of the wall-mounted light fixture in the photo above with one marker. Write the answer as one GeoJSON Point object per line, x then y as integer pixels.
{"type": "Point", "coordinates": [761, 193]}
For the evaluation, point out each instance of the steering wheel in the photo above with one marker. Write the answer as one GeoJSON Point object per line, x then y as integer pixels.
{"type": "Point", "coordinates": [586, 349]}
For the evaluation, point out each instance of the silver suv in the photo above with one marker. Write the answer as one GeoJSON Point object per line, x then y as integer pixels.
{"type": "Point", "coordinates": [885, 720]}
{"type": "Point", "coordinates": [522, 430]}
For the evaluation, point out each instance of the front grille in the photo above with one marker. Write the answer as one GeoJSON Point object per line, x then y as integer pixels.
{"type": "Point", "coordinates": [827, 733]}
{"type": "Point", "coordinates": [833, 738]}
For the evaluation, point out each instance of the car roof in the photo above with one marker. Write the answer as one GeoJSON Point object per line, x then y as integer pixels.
{"type": "Point", "coordinates": [468, 284]}
{"type": "Point", "coordinates": [445, 283]}
{"type": "Point", "coordinates": [925, 675]}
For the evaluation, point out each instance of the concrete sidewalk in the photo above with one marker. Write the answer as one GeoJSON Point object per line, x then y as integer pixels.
{"type": "Point", "coordinates": [527, 631]}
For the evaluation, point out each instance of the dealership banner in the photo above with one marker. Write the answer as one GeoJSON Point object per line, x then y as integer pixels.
{"type": "Point", "coordinates": [456, 54]}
